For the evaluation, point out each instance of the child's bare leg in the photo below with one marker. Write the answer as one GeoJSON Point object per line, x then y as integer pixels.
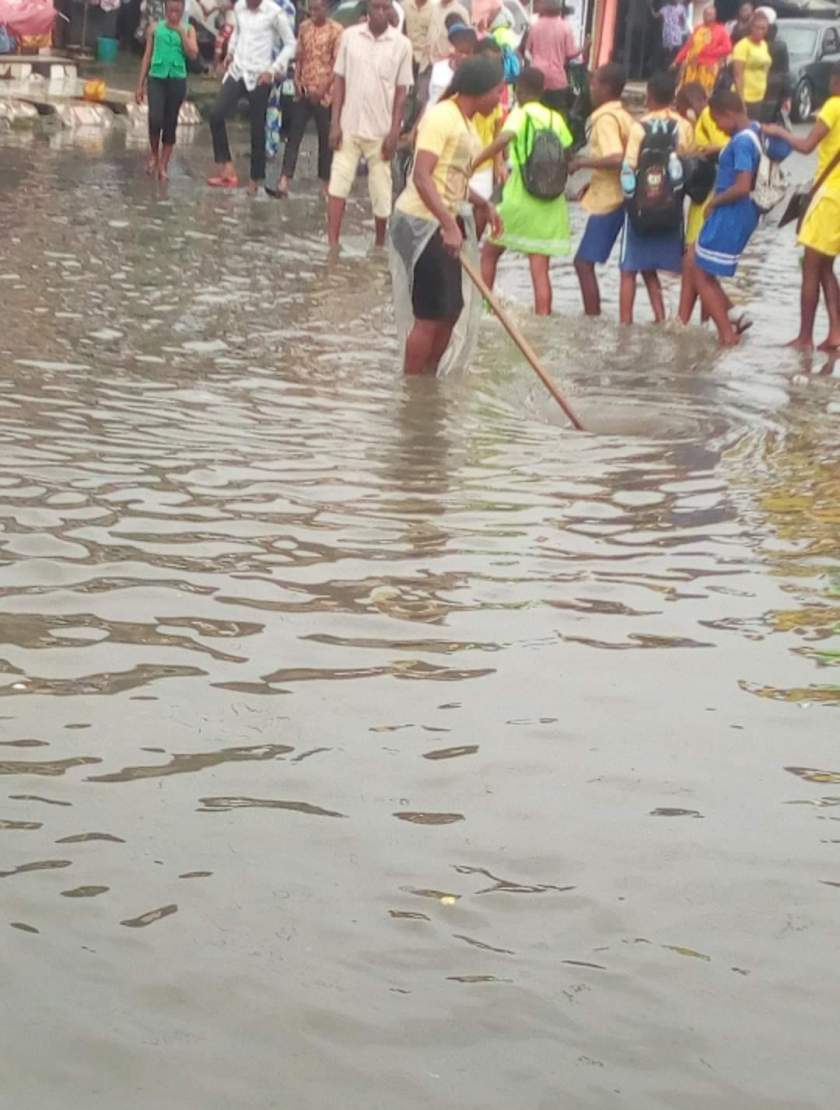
{"type": "Point", "coordinates": [809, 298]}
{"type": "Point", "coordinates": [654, 288]}
{"type": "Point", "coordinates": [490, 255]}
{"type": "Point", "coordinates": [541, 283]}
{"type": "Point", "coordinates": [626, 296]}
{"type": "Point", "coordinates": [714, 301]}
{"type": "Point", "coordinates": [589, 290]}
{"type": "Point", "coordinates": [831, 293]}
{"type": "Point", "coordinates": [688, 288]}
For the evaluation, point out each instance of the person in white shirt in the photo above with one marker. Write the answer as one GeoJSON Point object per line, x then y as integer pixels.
{"type": "Point", "coordinates": [259, 52]}
{"type": "Point", "coordinates": [372, 77]}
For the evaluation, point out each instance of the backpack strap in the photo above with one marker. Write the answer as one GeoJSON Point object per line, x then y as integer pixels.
{"type": "Point", "coordinates": [758, 143]}
{"type": "Point", "coordinates": [759, 147]}
{"type": "Point", "coordinates": [521, 151]}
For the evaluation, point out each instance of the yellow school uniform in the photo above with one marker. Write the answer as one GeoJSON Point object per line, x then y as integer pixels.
{"type": "Point", "coordinates": [821, 227]}
{"type": "Point", "coordinates": [756, 59]}
{"type": "Point", "coordinates": [706, 134]}
{"type": "Point", "coordinates": [446, 133]}
{"type": "Point", "coordinates": [610, 127]}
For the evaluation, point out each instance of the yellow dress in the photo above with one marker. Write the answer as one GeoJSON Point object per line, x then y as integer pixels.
{"type": "Point", "coordinates": [821, 227]}
{"type": "Point", "coordinates": [705, 74]}
{"type": "Point", "coordinates": [706, 134]}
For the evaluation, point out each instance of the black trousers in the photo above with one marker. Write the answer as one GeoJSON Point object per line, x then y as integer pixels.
{"type": "Point", "coordinates": [229, 96]}
{"type": "Point", "coordinates": [302, 111]}
{"type": "Point", "coordinates": [166, 95]}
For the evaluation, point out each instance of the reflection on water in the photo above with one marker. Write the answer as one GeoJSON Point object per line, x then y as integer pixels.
{"type": "Point", "coordinates": [569, 700]}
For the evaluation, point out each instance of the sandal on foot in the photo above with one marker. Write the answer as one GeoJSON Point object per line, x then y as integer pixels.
{"type": "Point", "coordinates": [741, 323]}
{"type": "Point", "coordinates": [223, 182]}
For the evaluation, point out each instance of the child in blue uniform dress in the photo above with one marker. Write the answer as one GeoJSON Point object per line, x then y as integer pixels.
{"type": "Point", "coordinates": [732, 214]}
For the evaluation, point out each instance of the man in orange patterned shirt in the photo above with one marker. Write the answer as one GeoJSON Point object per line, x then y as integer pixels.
{"type": "Point", "coordinates": [316, 53]}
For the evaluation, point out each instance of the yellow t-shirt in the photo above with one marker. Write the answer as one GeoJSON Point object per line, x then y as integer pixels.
{"type": "Point", "coordinates": [488, 126]}
{"type": "Point", "coordinates": [685, 134]}
{"type": "Point", "coordinates": [447, 133]}
{"type": "Point", "coordinates": [756, 59]}
{"type": "Point", "coordinates": [610, 128]}
{"type": "Point", "coordinates": [829, 114]}
{"type": "Point", "coordinates": [707, 132]}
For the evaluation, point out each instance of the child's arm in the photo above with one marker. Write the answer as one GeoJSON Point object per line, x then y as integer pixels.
{"type": "Point", "coordinates": [806, 143]}
{"type": "Point", "coordinates": [742, 188]}
{"type": "Point", "coordinates": [612, 161]}
{"type": "Point", "coordinates": [499, 144]}
{"type": "Point", "coordinates": [140, 95]}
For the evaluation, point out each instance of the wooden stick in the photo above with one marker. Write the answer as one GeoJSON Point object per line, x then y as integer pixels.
{"type": "Point", "coordinates": [520, 340]}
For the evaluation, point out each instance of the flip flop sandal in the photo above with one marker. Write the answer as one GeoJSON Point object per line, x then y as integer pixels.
{"type": "Point", "coordinates": [223, 182]}
{"type": "Point", "coordinates": [742, 323]}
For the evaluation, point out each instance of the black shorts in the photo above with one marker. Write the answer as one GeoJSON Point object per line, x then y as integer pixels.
{"type": "Point", "coordinates": [436, 292]}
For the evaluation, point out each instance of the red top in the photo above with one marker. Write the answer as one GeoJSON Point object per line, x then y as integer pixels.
{"type": "Point", "coordinates": [718, 47]}
{"type": "Point", "coordinates": [551, 42]}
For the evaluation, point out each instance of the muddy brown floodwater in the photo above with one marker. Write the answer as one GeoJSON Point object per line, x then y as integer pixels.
{"type": "Point", "coordinates": [380, 745]}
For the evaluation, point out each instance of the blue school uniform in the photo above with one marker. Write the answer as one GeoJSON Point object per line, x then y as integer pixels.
{"type": "Point", "coordinates": [727, 229]}
{"type": "Point", "coordinates": [600, 235]}
{"type": "Point", "coordinates": [662, 250]}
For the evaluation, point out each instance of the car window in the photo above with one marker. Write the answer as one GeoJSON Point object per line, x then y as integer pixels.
{"type": "Point", "coordinates": [831, 42]}
{"type": "Point", "coordinates": [800, 41]}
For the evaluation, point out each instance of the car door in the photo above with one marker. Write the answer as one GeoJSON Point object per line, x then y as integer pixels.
{"type": "Point", "coordinates": [829, 53]}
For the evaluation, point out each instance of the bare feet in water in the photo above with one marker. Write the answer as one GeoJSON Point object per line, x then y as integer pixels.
{"type": "Point", "coordinates": [801, 343]}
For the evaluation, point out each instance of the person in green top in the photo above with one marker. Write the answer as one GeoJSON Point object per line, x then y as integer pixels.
{"type": "Point", "coordinates": [532, 226]}
{"type": "Point", "coordinates": [169, 43]}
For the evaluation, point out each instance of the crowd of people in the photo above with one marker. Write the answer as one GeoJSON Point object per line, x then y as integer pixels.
{"type": "Point", "coordinates": [481, 117]}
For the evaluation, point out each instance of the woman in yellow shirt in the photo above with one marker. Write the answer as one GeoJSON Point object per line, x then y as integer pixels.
{"type": "Point", "coordinates": [429, 222]}
{"type": "Point", "coordinates": [820, 231]}
{"type": "Point", "coordinates": [751, 64]}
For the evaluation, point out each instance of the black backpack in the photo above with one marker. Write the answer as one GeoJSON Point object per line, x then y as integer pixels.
{"type": "Point", "coordinates": [656, 205]}
{"type": "Point", "coordinates": [699, 173]}
{"type": "Point", "coordinates": [545, 171]}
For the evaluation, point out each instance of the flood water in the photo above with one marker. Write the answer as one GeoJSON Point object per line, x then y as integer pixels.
{"type": "Point", "coordinates": [375, 744]}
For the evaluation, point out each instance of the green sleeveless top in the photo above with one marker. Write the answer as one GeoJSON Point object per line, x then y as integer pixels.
{"type": "Point", "coordinates": [168, 58]}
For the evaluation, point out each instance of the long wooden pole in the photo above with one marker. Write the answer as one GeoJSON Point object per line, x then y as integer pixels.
{"type": "Point", "coordinates": [520, 340]}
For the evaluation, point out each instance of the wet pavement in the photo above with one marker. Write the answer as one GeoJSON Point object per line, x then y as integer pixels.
{"type": "Point", "coordinates": [381, 744]}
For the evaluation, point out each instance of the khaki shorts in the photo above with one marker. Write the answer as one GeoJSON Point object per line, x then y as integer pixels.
{"type": "Point", "coordinates": [346, 162]}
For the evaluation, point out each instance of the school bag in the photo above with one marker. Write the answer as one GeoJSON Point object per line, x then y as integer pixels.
{"type": "Point", "coordinates": [699, 173]}
{"type": "Point", "coordinates": [511, 62]}
{"type": "Point", "coordinates": [545, 170]}
{"type": "Point", "coordinates": [770, 184]}
{"type": "Point", "coordinates": [657, 202]}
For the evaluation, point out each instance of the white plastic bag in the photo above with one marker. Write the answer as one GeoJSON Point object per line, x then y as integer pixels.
{"type": "Point", "coordinates": [409, 237]}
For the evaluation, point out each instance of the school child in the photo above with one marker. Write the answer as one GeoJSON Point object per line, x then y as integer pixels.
{"type": "Point", "coordinates": [692, 104]}
{"type": "Point", "coordinates": [653, 179]}
{"type": "Point", "coordinates": [602, 198]}
{"type": "Point", "coordinates": [709, 141]}
{"type": "Point", "coordinates": [732, 214]}
{"type": "Point", "coordinates": [820, 231]}
{"type": "Point", "coordinates": [534, 223]}
{"type": "Point", "coordinates": [488, 172]}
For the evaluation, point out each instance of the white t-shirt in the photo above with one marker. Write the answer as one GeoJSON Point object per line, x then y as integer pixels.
{"type": "Point", "coordinates": [440, 80]}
